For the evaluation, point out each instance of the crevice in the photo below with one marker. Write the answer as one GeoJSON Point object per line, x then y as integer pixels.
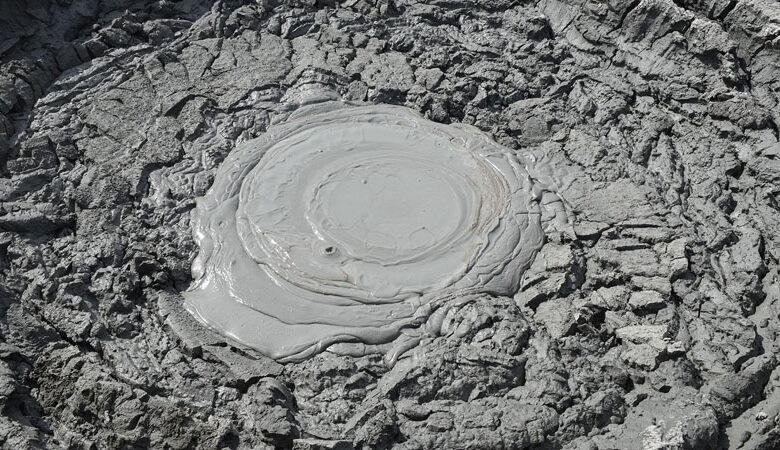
{"type": "Point", "coordinates": [625, 14]}
{"type": "Point", "coordinates": [727, 10]}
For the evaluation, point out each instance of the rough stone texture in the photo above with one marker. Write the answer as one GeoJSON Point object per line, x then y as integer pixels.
{"type": "Point", "coordinates": [654, 324]}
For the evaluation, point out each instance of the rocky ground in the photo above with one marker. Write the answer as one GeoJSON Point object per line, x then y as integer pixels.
{"type": "Point", "coordinates": [654, 326]}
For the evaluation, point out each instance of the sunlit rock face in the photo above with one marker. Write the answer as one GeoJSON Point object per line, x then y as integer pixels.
{"type": "Point", "coordinates": [352, 228]}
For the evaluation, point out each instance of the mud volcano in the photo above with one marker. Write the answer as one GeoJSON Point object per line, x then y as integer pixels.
{"type": "Point", "coordinates": [351, 228]}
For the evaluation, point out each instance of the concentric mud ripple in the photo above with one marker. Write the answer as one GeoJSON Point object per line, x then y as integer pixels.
{"type": "Point", "coordinates": [352, 225]}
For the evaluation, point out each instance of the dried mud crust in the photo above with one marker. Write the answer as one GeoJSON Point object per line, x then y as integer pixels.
{"type": "Point", "coordinates": [653, 325]}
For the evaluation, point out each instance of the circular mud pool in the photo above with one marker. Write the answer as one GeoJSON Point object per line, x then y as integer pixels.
{"type": "Point", "coordinates": [351, 228]}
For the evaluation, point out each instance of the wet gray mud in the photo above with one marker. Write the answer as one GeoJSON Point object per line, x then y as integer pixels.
{"type": "Point", "coordinates": [360, 225]}
{"type": "Point", "coordinates": [647, 319]}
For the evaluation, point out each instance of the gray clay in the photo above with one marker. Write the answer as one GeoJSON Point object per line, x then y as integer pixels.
{"type": "Point", "coordinates": [544, 224]}
{"type": "Point", "coordinates": [349, 224]}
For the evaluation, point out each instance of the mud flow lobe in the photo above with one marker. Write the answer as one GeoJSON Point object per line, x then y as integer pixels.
{"type": "Point", "coordinates": [350, 228]}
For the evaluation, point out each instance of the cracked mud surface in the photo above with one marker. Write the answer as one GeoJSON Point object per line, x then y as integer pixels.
{"type": "Point", "coordinates": [653, 325]}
